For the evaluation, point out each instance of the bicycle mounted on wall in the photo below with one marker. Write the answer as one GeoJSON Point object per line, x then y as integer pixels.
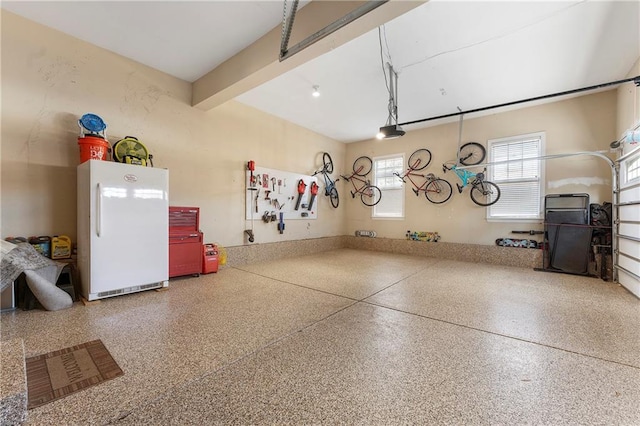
{"type": "Point", "coordinates": [483, 192]}
{"type": "Point", "coordinates": [370, 195]}
{"type": "Point", "coordinates": [330, 189]}
{"type": "Point", "coordinates": [435, 189]}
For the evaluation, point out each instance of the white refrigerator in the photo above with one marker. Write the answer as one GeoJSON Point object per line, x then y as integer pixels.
{"type": "Point", "coordinates": [123, 229]}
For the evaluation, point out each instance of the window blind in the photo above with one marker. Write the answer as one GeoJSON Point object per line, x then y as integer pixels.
{"type": "Point", "coordinates": [391, 204]}
{"type": "Point", "coordinates": [519, 179]}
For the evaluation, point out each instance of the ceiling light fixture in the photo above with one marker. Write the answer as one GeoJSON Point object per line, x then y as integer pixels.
{"type": "Point", "coordinates": [391, 129]}
{"type": "Point", "coordinates": [316, 91]}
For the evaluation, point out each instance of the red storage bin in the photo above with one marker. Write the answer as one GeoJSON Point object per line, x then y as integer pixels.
{"type": "Point", "coordinates": [209, 258]}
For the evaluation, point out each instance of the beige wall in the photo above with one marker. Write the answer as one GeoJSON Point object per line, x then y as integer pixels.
{"type": "Point", "coordinates": [50, 79]}
{"type": "Point", "coordinates": [587, 123]}
{"type": "Point", "coordinates": [628, 106]}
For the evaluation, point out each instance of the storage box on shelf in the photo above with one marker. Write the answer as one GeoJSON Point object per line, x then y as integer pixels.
{"type": "Point", "coordinates": [185, 241]}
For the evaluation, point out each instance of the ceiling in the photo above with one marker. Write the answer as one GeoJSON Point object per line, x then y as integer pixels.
{"type": "Point", "coordinates": [448, 54]}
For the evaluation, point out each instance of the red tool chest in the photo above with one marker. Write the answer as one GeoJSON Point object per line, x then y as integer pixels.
{"type": "Point", "coordinates": [185, 241]}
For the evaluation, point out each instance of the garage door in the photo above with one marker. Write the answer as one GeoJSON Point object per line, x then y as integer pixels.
{"type": "Point", "coordinates": [627, 256]}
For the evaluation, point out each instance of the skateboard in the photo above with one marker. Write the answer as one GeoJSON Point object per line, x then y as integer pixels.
{"type": "Point", "coordinates": [517, 242]}
{"type": "Point", "coordinates": [423, 236]}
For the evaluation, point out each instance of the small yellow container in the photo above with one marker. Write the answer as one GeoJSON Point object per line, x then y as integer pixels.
{"type": "Point", "coordinates": [60, 247]}
{"type": "Point", "coordinates": [222, 255]}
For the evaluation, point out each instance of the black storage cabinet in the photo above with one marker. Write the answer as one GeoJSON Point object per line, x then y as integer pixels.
{"type": "Point", "coordinates": [568, 232]}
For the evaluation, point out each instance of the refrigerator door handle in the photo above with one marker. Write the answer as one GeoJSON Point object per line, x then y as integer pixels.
{"type": "Point", "coordinates": [99, 211]}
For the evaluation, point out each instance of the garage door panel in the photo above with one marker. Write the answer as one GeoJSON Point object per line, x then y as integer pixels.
{"type": "Point", "coordinates": [629, 229]}
{"type": "Point", "coordinates": [629, 264]}
{"type": "Point", "coordinates": [629, 195]}
{"type": "Point", "coordinates": [630, 213]}
{"type": "Point", "coordinates": [629, 282]}
{"type": "Point", "coordinates": [630, 247]}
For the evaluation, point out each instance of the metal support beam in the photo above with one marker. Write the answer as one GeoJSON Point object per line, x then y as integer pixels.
{"type": "Point", "coordinates": [287, 25]}
{"type": "Point", "coordinates": [636, 81]}
{"type": "Point", "coordinates": [285, 52]}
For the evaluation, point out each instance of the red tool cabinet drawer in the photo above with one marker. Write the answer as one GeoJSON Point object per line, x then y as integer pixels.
{"type": "Point", "coordinates": [185, 254]}
{"type": "Point", "coordinates": [184, 219]}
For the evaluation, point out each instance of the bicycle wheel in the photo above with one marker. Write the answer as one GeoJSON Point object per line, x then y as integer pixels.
{"type": "Point", "coordinates": [419, 159]}
{"type": "Point", "coordinates": [472, 153]}
{"type": "Point", "coordinates": [327, 162]}
{"type": "Point", "coordinates": [485, 193]}
{"type": "Point", "coordinates": [371, 195]}
{"type": "Point", "coordinates": [362, 166]}
{"type": "Point", "coordinates": [333, 195]}
{"type": "Point", "coordinates": [438, 191]}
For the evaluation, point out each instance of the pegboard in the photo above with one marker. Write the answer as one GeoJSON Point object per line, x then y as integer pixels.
{"type": "Point", "coordinates": [276, 191]}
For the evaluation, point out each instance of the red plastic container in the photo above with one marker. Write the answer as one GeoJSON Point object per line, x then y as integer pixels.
{"type": "Point", "coordinates": [92, 148]}
{"type": "Point", "coordinates": [210, 258]}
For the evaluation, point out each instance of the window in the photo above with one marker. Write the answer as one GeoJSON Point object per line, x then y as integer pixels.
{"type": "Point", "coordinates": [391, 204]}
{"type": "Point", "coordinates": [521, 182]}
{"type": "Point", "coordinates": [632, 169]}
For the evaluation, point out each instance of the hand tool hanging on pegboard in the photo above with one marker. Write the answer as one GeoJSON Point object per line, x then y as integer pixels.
{"type": "Point", "coordinates": [314, 192]}
{"type": "Point", "coordinates": [257, 195]}
{"type": "Point", "coordinates": [301, 188]}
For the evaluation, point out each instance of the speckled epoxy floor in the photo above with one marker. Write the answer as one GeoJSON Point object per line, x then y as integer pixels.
{"type": "Point", "coordinates": [354, 337]}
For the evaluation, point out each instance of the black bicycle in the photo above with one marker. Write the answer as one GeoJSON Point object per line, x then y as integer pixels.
{"type": "Point", "coordinates": [330, 189]}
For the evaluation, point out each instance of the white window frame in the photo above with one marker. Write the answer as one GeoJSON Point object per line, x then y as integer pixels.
{"type": "Point", "coordinates": [504, 185]}
{"type": "Point", "coordinates": [398, 186]}
{"type": "Point", "coordinates": [631, 172]}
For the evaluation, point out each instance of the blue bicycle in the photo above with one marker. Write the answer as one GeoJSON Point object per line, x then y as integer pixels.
{"type": "Point", "coordinates": [483, 192]}
{"type": "Point", "coordinates": [330, 189]}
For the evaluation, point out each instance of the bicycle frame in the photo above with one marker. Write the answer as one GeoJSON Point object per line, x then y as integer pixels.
{"type": "Point", "coordinates": [417, 188]}
{"type": "Point", "coordinates": [464, 175]}
{"type": "Point", "coordinates": [328, 182]}
{"type": "Point", "coordinates": [357, 190]}
{"type": "Point", "coordinates": [370, 195]}
{"type": "Point", "coordinates": [483, 192]}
